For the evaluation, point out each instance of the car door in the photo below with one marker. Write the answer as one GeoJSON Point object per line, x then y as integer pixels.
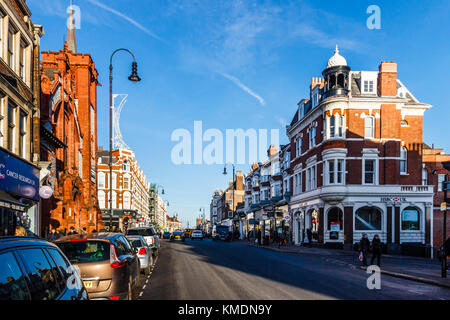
{"type": "Point", "coordinates": [134, 260]}
{"type": "Point", "coordinates": [127, 255]}
{"type": "Point", "coordinates": [70, 277]}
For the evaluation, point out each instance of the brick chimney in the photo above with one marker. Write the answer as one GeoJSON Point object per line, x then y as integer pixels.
{"type": "Point", "coordinates": [316, 82]}
{"type": "Point", "coordinates": [387, 79]}
{"type": "Point", "coordinates": [272, 150]}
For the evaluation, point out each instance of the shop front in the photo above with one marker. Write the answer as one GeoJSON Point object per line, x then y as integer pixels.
{"type": "Point", "coordinates": [19, 194]}
{"type": "Point", "coordinates": [400, 215]}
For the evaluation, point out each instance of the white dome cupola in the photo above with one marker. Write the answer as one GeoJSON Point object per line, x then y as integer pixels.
{"type": "Point", "coordinates": [336, 59]}
{"type": "Point", "coordinates": [337, 76]}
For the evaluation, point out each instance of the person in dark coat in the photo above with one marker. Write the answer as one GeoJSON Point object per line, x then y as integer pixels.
{"type": "Point", "coordinates": [53, 235]}
{"type": "Point", "coordinates": [258, 236]}
{"type": "Point", "coordinates": [376, 249]}
{"type": "Point", "coordinates": [72, 231]}
{"type": "Point", "coordinates": [309, 235]}
{"type": "Point", "coordinates": [364, 246]}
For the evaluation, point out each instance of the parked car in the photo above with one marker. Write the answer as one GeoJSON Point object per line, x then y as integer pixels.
{"type": "Point", "coordinates": [166, 235]}
{"type": "Point", "coordinates": [177, 236]}
{"type": "Point", "coordinates": [144, 253]}
{"type": "Point", "coordinates": [220, 232]}
{"type": "Point", "coordinates": [35, 269]}
{"type": "Point", "coordinates": [150, 236]}
{"type": "Point", "coordinates": [197, 234]}
{"type": "Point", "coordinates": [108, 264]}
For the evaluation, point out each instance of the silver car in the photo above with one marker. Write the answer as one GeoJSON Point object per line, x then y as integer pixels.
{"type": "Point", "coordinates": [150, 236]}
{"type": "Point", "coordinates": [144, 253]}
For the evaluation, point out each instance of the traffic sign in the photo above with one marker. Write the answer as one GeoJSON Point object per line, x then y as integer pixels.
{"type": "Point", "coordinates": [287, 217]}
{"type": "Point", "coordinates": [443, 206]}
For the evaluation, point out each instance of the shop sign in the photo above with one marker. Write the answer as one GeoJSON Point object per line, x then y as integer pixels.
{"type": "Point", "coordinates": [335, 226]}
{"type": "Point", "coordinates": [18, 177]}
{"type": "Point", "coordinates": [393, 199]}
{"type": "Point", "coordinates": [12, 206]}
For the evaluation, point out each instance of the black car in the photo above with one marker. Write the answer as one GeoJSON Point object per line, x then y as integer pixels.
{"type": "Point", "coordinates": [35, 269]}
{"type": "Point", "coordinates": [166, 235]}
{"type": "Point", "coordinates": [177, 236]}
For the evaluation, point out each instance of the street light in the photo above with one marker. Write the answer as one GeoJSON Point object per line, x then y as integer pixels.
{"type": "Point", "coordinates": [232, 203]}
{"type": "Point", "coordinates": [133, 78]}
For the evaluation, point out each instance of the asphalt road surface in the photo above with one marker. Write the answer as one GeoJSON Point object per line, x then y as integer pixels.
{"type": "Point", "coordinates": [204, 269]}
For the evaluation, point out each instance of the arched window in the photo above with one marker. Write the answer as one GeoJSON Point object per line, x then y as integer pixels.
{"type": "Point", "coordinates": [403, 160]}
{"type": "Point", "coordinates": [368, 218]}
{"type": "Point", "coordinates": [410, 219]}
{"type": "Point", "coordinates": [369, 126]}
{"type": "Point", "coordinates": [335, 219]}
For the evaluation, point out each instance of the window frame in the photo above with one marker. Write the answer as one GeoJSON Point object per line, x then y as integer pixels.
{"type": "Point", "coordinates": [374, 172]}
{"type": "Point", "coordinates": [371, 230]}
{"type": "Point", "coordinates": [419, 218]}
{"type": "Point", "coordinates": [372, 127]}
{"type": "Point", "coordinates": [403, 160]}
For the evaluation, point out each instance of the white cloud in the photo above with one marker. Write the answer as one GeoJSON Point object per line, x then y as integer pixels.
{"type": "Point", "coordinates": [244, 87]}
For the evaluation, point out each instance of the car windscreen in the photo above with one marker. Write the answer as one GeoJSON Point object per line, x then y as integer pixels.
{"type": "Point", "coordinates": [141, 232]}
{"type": "Point", "coordinates": [85, 251]}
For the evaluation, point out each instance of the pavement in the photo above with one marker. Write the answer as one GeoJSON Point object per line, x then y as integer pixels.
{"type": "Point", "coordinates": [412, 268]}
{"type": "Point", "coordinates": [207, 270]}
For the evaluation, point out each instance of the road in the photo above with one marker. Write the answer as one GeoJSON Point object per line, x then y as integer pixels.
{"type": "Point", "coordinates": [197, 270]}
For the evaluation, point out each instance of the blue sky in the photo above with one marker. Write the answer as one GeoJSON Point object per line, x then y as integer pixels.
{"type": "Point", "coordinates": [242, 64]}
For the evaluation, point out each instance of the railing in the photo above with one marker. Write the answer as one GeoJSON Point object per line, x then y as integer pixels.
{"type": "Point", "coordinates": [414, 188]}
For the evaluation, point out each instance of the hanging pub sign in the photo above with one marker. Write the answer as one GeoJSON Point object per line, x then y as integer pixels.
{"type": "Point", "coordinates": [18, 177]}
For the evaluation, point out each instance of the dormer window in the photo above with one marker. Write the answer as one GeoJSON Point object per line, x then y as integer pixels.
{"type": "Point", "coordinates": [368, 86]}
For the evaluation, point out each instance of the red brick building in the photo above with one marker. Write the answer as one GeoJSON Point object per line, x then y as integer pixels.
{"type": "Point", "coordinates": [356, 161]}
{"type": "Point", "coordinates": [68, 152]}
{"type": "Point", "coordinates": [434, 174]}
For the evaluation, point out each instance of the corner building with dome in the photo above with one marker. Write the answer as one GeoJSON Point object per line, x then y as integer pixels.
{"type": "Point", "coordinates": [356, 161]}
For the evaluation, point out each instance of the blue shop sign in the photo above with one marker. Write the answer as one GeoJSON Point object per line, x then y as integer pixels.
{"type": "Point", "coordinates": [18, 177]}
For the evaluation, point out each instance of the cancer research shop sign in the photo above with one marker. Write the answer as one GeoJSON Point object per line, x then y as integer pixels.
{"type": "Point", "coordinates": [18, 177]}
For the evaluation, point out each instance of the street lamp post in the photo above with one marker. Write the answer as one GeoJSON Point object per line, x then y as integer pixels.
{"type": "Point", "coordinates": [446, 189]}
{"type": "Point", "coordinates": [232, 203]}
{"type": "Point", "coordinates": [134, 78]}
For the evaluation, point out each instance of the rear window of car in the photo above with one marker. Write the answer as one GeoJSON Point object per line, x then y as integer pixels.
{"type": "Point", "coordinates": [178, 233]}
{"type": "Point", "coordinates": [141, 232]}
{"type": "Point", "coordinates": [197, 232]}
{"type": "Point", "coordinates": [85, 251]}
{"type": "Point", "coordinates": [135, 243]}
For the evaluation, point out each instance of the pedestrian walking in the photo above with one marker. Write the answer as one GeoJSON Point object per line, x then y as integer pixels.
{"type": "Point", "coordinates": [364, 246]}
{"type": "Point", "coordinates": [53, 235]}
{"type": "Point", "coordinates": [376, 249]}
{"type": "Point", "coordinates": [258, 235]}
{"type": "Point", "coordinates": [281, 239]}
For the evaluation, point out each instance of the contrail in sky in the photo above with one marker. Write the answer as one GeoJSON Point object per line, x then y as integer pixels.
{"type": "Point", "coordinates": [244, 87]}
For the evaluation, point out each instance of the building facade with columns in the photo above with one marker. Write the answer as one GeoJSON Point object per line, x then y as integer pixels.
{"type": "Point", "coordinates": [356, 160]}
